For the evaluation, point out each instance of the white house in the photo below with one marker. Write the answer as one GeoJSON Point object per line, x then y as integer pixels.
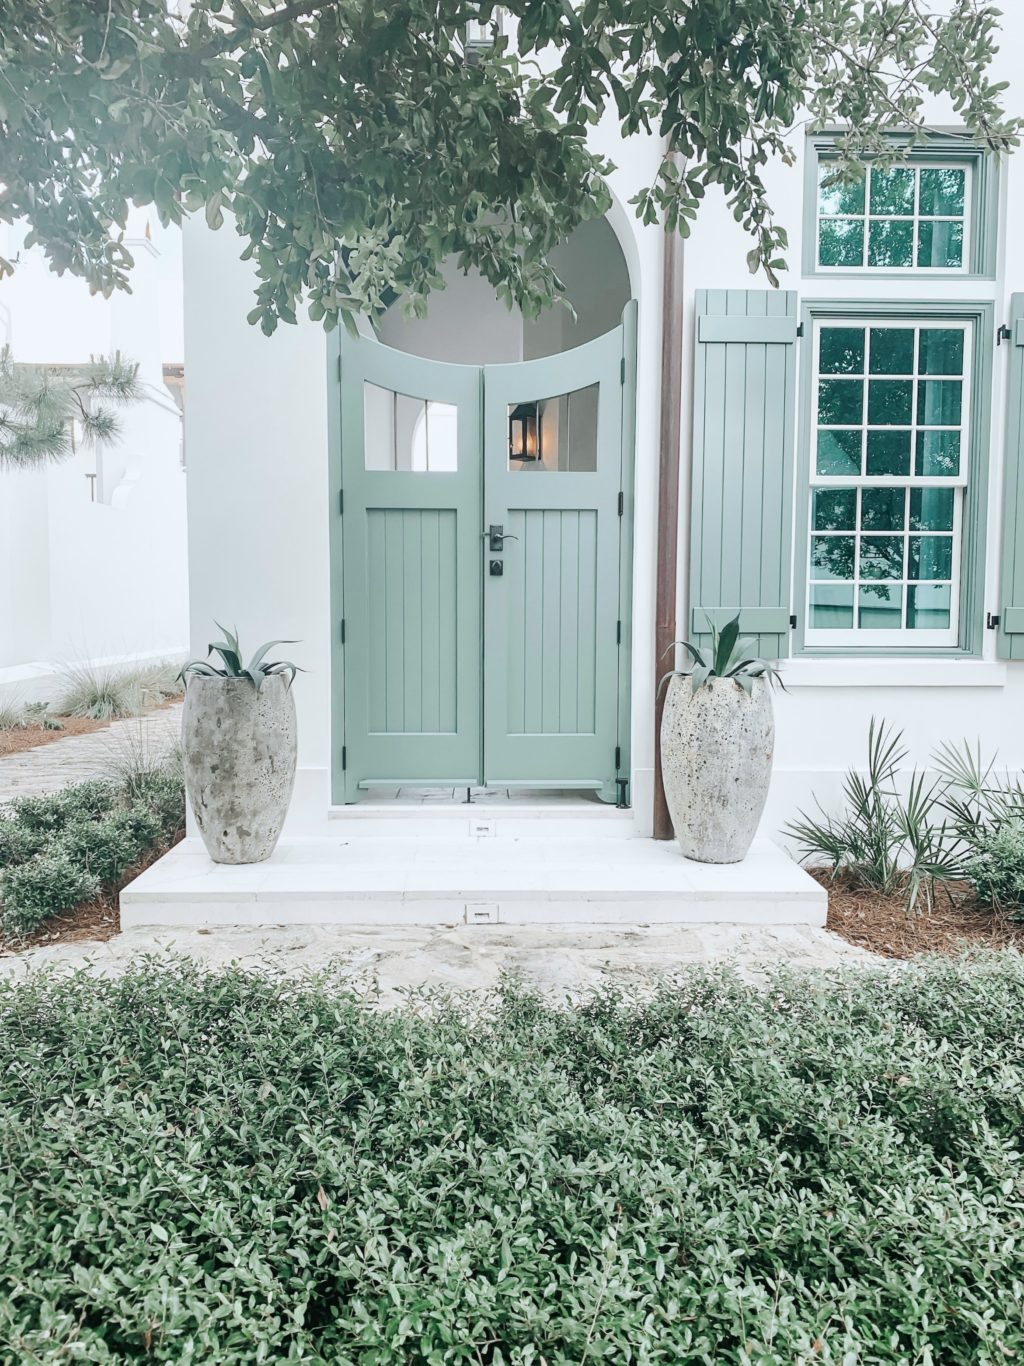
{"type": "Point", "coordinates": [93, 550]}
{"type": "Point", "coordinates": [459, 518]}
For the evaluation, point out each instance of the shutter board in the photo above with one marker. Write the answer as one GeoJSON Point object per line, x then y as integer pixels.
{"type": "Point", "coordinates": [1010, 640]}
{"type": "Point", "coordinates": [742, 468]}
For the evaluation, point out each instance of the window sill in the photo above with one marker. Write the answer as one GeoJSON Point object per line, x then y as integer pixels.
{"type": "Point", "coordinates": [928, 672]}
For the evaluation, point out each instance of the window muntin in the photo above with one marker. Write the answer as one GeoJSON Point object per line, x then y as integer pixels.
{"type": "Point", "coordinates": [889, 469]}
{"type": "Point", "coordinates": [913, 217]}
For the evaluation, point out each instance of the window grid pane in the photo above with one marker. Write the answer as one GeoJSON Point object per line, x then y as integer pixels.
{"type": "Point", "coordinates": [885, 523]}
{"type": "Point", "coordinates": [904, 218]}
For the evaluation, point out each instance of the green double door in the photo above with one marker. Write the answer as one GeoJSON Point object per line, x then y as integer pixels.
{"type": "Point", "coordinates": [480, 551]}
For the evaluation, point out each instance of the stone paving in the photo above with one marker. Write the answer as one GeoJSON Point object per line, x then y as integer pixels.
{"type": "Point", "coordinates": [47, 768]}
{"type": "Point", "coordinates": [563, 961]}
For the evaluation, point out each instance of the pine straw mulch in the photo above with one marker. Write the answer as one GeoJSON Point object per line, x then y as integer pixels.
{"type": "Point", "coordinates": [16, 741]}
{"type": "Point", "coordinates": [97, 920]}
{"type": "Point", "coordinates": [882, 924]}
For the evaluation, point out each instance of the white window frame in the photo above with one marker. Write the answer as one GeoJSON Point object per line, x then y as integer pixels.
{"type": "Point", "coordinates": [855, 637]}
{"type": "Point", "coordinates": [867, 216]}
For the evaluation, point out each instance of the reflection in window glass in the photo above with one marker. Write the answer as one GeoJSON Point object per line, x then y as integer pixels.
{"type": "Point", "coordinates": [408, 435]}
{"type": "Point", "coordinates": [557, 433]}
{"type": "Point", "coordinates": [900, 218]}
{"type": "Point", "coordinates": [888, 479]}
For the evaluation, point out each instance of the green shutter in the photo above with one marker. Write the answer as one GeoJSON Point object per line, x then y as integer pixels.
{"type": "Point", "coordinates": [742, 502]}
{"type": "Point", "coordinates": [1011, 602]}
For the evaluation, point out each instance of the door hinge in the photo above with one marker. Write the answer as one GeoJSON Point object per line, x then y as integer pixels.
{"type": "Point", "coordinates": [1003, 333]}
{"type": "Point", "coordinates": [339, 369]}
{"type": "Point", "coordinates": [622, 370]}
{"type": "Point", "coordinates": [618, 633]}
{"type": "Point", "coordinates": [343, 630]}
{"type": "Point", "coordinates": [792, 622]}
{"type": "Point", "coordinates": [622, 502]}
{"type": "Point", "coordinates": [992, 621]}
{"type": "Point", "coordinates": [618, 757]}
{"type": "Point", "coordinates": [341, 502]}
{"type": "Point", "coordinates": [344, 757]}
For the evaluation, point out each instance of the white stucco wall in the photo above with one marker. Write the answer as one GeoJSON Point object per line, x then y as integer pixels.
{"type": "Point", "coordinates": [822, 721]}
{"type": "Point", "coordinates": [257, 431]}
{"type": "Point", "coordinates": [256, 418]}
{"type": "Point", "coordinates": [103, 579]}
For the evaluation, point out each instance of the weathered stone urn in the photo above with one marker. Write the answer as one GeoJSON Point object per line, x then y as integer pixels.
{"type": "Point", "coordinates": [240, 756]}
{"type": "Point", "coordinates": [716, 762]}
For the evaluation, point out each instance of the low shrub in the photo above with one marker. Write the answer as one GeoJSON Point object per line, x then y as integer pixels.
{"type": "Point", "coordinates": [996, 869]}
{"type": "Point", "coordinates": [232, 1169]}
{"type": "Point", "coordinates": [60, 850]}
{"type": "Point", "coordinates": [52, 812]}
{"type": "Point", "coordinates": [108, 847]}
{"type": "Point", "coordinates": [49, 883]}
{"type": "Point", "coordinates": [18, 842]}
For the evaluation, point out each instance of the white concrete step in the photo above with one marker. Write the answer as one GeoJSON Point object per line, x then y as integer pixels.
{"type": "Point", "coordinates": [433, 820]}
{"type": "Point", "coordinates": [410, 880]}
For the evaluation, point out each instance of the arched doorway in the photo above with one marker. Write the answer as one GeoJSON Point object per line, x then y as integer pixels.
{"type": "Point", "coordinates": [481, 549]}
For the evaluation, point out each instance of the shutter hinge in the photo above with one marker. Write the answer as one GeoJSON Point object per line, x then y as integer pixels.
{"type": "Point", "coordinates": [341, 502]}
{"type": "Point", "coordinates": [991, 621]}
{"type": "Point", "coordinates": [799, 329]}
{"type": "Point", "coordinates": [1003, 333]}
{"type": "Point", "coordinates": [344, 757]}
{"type": "Point", "coordinates": [618, 757]}
{"type": "Point", "coordinates": [622, 370]}
{"type": "Point", "coordinates": [343, 630]}
{"type": "Point", "coordinates": [618, 633]}
{"type": "Point", "coordinates": [792, 622]}
{"type": "Point", "coordinates": [622, 502]}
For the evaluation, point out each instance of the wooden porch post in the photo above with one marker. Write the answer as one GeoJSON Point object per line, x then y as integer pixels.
{"type": "Point", "coordinates": [668, 499]}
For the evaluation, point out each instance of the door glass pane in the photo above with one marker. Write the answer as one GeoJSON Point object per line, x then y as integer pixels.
{"type": "Point", "coordinates": [557, 433]}
{"type": "Point", "coordinates": [407, 435]}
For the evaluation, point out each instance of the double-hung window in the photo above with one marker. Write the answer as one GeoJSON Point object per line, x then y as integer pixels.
{"type": "Point", "coordinates": [901, 218]}
{"type": "Point", "coordinates": [890, 462]}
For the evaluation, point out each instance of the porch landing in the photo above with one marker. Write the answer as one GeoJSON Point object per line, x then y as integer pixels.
{"type": "Point", "coordinates": [449, 878]}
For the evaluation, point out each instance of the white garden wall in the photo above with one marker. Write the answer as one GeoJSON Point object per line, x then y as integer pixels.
{"type": "Point", "coordinates": [104, 578]}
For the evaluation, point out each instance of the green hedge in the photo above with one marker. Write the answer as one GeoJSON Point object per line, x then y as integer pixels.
{"type": "Point", "coordinates": [63, 849]}
{"type": "Point", "coordinates": [231, 1169]}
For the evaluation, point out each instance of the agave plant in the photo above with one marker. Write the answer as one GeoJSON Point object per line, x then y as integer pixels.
{"type": "Point", "coordinates": [231, 655]}
{"type": "Point", "coordinates": [728, 657]}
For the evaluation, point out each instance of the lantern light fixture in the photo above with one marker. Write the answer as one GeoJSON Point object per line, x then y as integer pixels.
{"type": "Point", "coordinates": [524, 433]}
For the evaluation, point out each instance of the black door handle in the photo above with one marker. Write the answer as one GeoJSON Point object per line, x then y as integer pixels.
{"type": "Point", "coordinates": [496, 537]}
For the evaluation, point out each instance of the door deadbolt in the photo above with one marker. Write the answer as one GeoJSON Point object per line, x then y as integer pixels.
{"type": "Point", "coordinates": [497, 569]}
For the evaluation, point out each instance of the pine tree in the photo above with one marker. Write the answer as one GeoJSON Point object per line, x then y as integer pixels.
{"type": "Point", "coordinates": [41, 405]}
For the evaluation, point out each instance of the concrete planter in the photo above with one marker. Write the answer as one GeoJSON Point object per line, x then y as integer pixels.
{"type": "Point", "coordinates": [716, 761]}
{"type": "Point", "coordinates": [240, 754]}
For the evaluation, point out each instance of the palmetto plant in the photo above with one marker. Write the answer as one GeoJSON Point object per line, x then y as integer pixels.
{"type": "Point", "coordinates": [910, 837]}
{"type": "Point", "coordinates": [42, 406]}
{"type": "Point", "coordinates": [729, 657]}
{"type": "Point", "coordinates": [230, 653]}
